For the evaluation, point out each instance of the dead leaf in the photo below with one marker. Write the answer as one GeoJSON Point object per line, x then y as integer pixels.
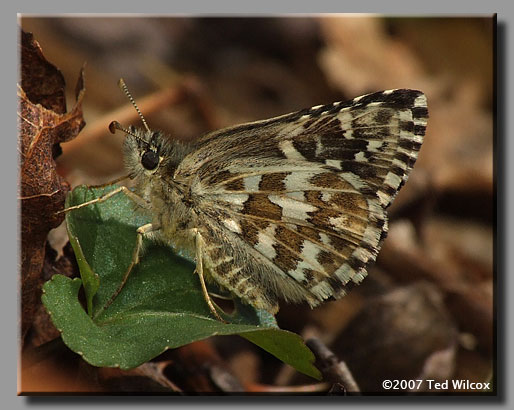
{"type": "Point", "coordinates": [198, 367]}
{"type": "Point", "coordinates": [42, 327]}
{"type": "Point", "coordinates": [439, 367]}
{"type": "Point", "coordinates": [43, 123]}
{"type": "Point", "coordinates": [396, 333]}
{"type": "Point", "coordinates": [355, 52]}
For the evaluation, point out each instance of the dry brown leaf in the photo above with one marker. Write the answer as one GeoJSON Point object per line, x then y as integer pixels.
{"type": "Point", "coordinates": [438, 367]}
{"type": "Point", "coordinates": [43, 123]}
{"type": "Point", "coordinates": [43, 329]}
{"type": "Point", "coordinates": [198, 367]}
{"type": "Point", "coordinates": [463, 280]}
{"type": "Point", "coordinates": [360, 57]}
{"type": "Point", "coordinates": [458, 149]}
{"type": "Point", "coordinates": [394, 334]}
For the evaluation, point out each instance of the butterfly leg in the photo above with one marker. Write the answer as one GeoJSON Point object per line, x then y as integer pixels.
{"type": "Point", "coordinates": [141, 231]}
{"type": "Point", "coordinates": [114, 181]}
{"type": "Point", "coordinates": [199, 271]}
{"type": "Point", "coordinates": [134, 197]}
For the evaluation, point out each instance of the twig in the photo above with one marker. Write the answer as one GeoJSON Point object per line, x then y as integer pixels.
{"type": "Point", "coordinates": [125, 115]}
{"type": "Point", "coordinates": [146, 378]}
{"type": "Point", "coordinates": [332, 369]}
{"type": "Point", "coordinates": [202, 101]}
{"type": "Point", "coordinates": [200, 369]}
{"type": "Point", "coordinates": [224, 380]}
{"type": "Point", "coordinates": [163, 75]}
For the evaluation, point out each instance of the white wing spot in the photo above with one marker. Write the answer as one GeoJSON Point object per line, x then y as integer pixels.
{"type": "Point", "coordinates": [404, 151]}
{"type": "Point", "coordinates": [405, 115]}
{"type": "Point", "coordinates": [322, 290]}
{"type": "Point", "coordinates": [298, 181]}
{"type": "Point", "coordinates": [289, 150]}
{"type": "Point", "coordinates": [345, 117]}
{"type": "Point", "coordinates": [360, 157]}
{"type": "Point", "coordinates": [420, 101]}
{"type": "Point", "coordinates": [266, 241]}
{"type": "Point", "coordinates": [344, 272]}
{"type": "Point", "coordinates": [325, 238]}
{"type": "Point", "coordinates": [358, 277]}
{"type": "Point", "coordinates": [252, 183]}
{"type": "Point", "coordinates": [393, 180]}
{"type": "Point", "coordinates": [399, 164]}
{"type": "Point", "coordinates": [339, 221]}
{"type": "Point", "coordinates": [374, 145]}
{"type": "Point", "coordinates": [292, 209]}
{"type": "Point", "coordinates": [384, 198]}
{"type": "Point", "coordinates": [309, 253]}
{"type": "Point", "coordinates": [363, 254]}
{"type": "Point", "coordinates": [333, 163]}
{"type": "Point", "coordinates": [235, 199]}
{"type": "Point", "coordinates": [232, 225]}
{"type": "Point", "coordinates": [326, 196]}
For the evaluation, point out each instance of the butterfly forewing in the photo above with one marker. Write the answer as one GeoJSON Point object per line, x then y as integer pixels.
{"type": "Point", "coordinates": [294, 207]}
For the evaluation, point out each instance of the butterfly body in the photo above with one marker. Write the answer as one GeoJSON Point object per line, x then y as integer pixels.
{"type": "Point", "coordinates": [292, 208]}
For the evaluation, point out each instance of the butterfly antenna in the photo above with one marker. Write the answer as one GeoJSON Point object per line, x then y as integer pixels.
{"type": "Point", "coordinates": [124, 88]}
{"type": "Point", "coordinates": [115, 125]}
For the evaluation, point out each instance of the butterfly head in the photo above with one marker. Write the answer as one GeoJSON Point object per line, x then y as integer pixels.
{"type": "Point", "coordinates": [143, 149]}
{"type": "Point", "coordinates": [147, 152]}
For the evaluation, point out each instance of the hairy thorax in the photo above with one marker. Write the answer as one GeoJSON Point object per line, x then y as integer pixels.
{"type": "Point", "coordinates": [171, 213]}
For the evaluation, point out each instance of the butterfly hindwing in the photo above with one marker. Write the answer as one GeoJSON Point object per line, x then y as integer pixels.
{"type": "Point", "coordinates": [294, 207]}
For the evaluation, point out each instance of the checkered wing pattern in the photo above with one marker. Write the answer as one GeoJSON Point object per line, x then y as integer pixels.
{"type": "Point", "coordinates": [294, 207]}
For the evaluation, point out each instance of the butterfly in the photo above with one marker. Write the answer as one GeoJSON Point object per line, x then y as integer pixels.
{"type": "Point", "coordinates": [290, 208]}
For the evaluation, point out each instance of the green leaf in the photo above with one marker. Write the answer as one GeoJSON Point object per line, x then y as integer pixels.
{"type": "Point", "coordinates": [90, 279]}
{"type": "Point", "coordinates": [161, 305]}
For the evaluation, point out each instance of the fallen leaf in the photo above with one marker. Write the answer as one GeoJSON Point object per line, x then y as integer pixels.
{"type": "Point", "coordinates": [395, 333]}
{"type": "Point", "coordinates": [43, 123]}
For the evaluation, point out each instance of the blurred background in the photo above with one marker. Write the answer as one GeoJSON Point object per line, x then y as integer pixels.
{"type": "Point", "coordinates": [426, 310]}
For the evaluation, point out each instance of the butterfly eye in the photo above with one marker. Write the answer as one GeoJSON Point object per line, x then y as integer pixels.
{"type": "Point", "coordinates": [150, 160]}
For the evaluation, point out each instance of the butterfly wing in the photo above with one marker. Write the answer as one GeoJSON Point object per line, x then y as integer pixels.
{"type": "Point", "coordinates": [376, 136]}
{"type": "Point", "coordinates": [294, 207]}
